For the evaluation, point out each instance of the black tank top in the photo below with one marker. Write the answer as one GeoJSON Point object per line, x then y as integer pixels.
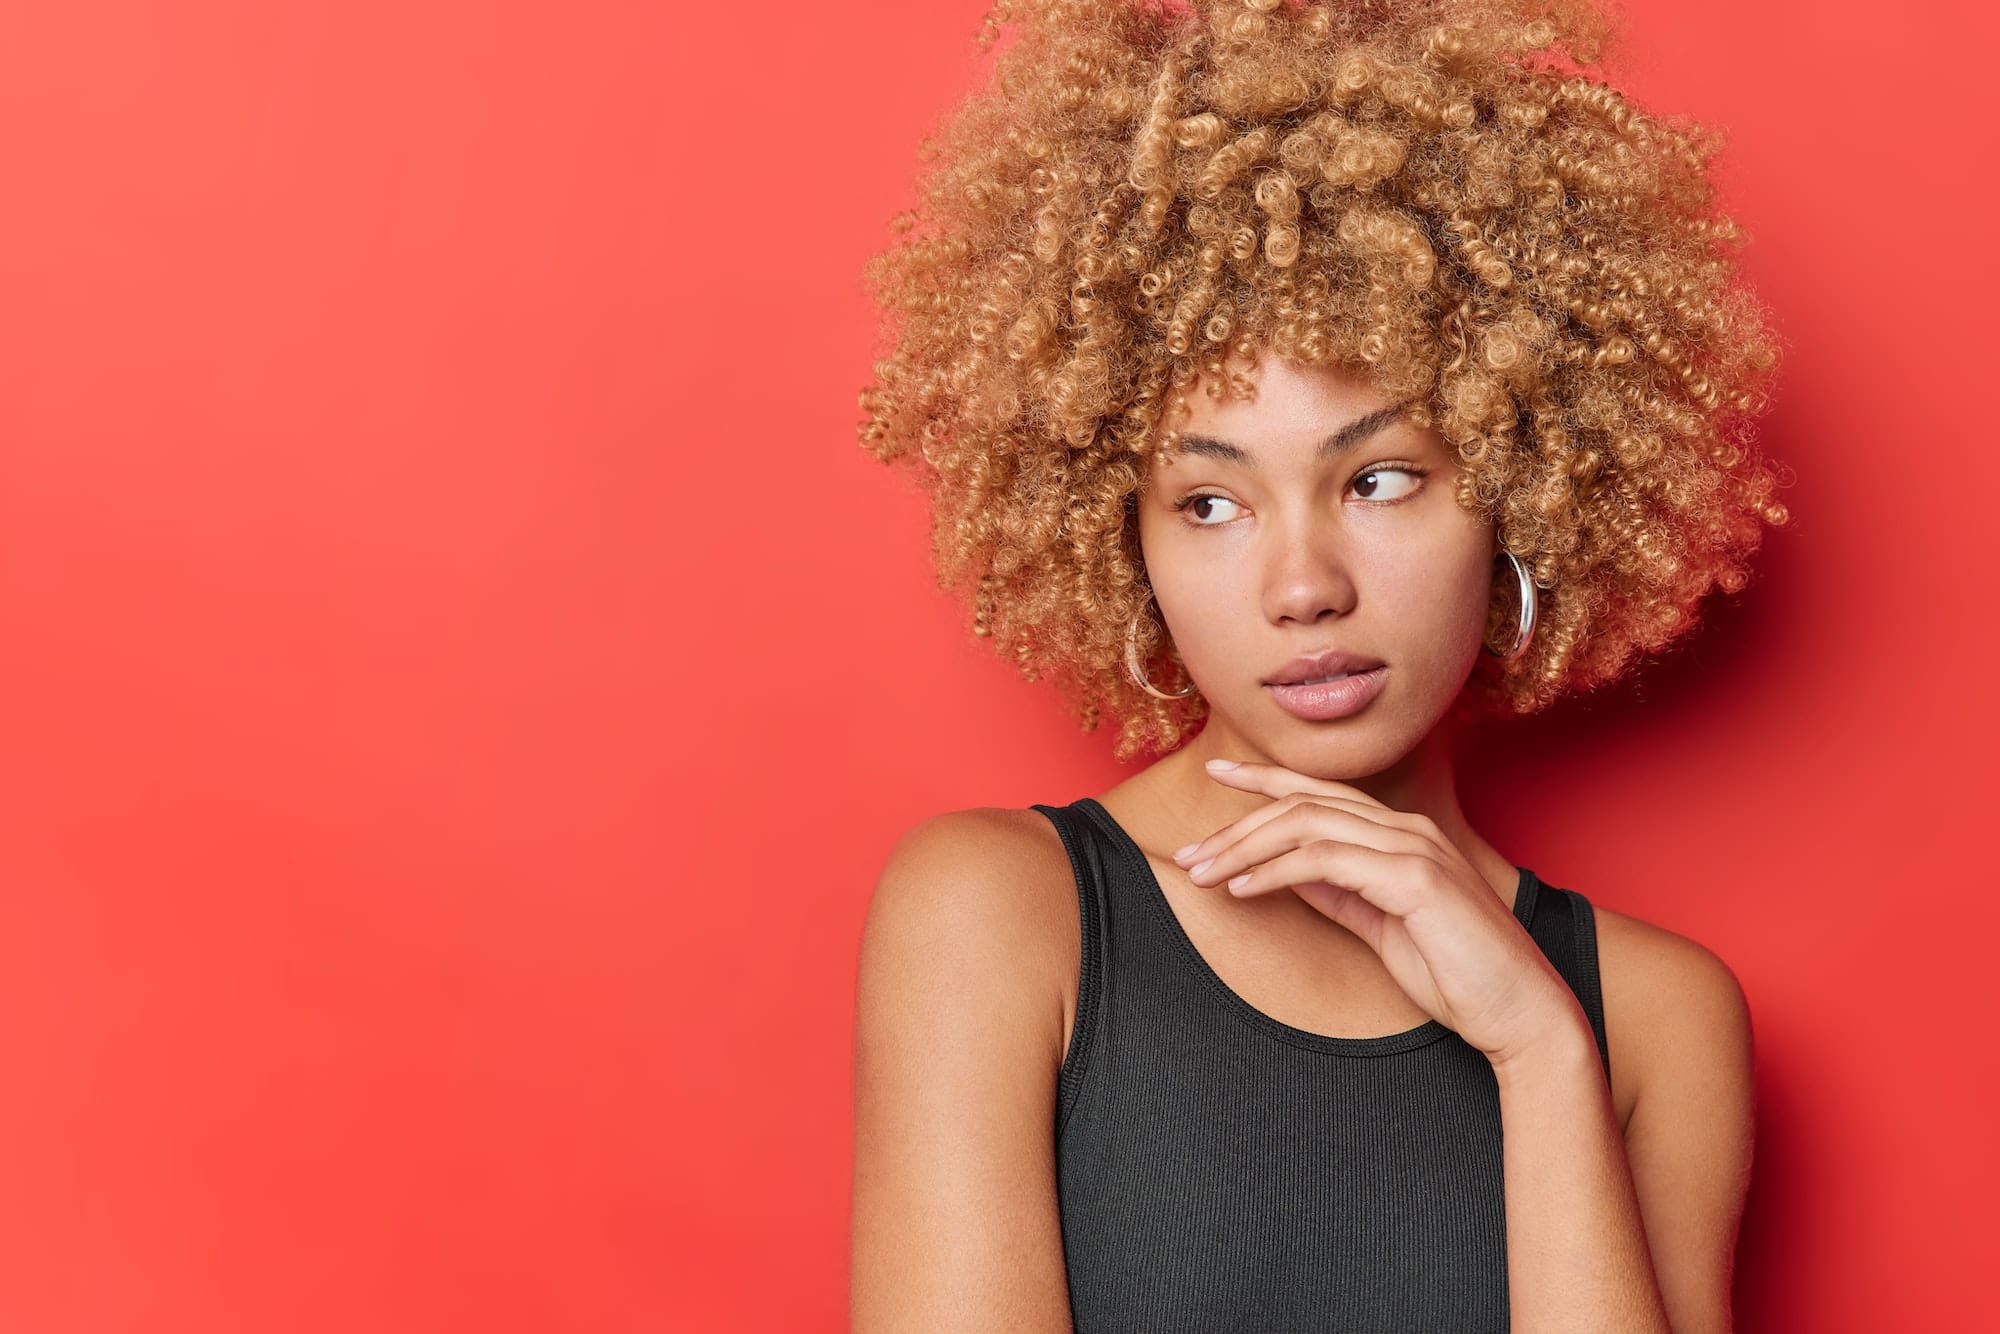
{"type": "Point", "coordinates": [1218, 1169]}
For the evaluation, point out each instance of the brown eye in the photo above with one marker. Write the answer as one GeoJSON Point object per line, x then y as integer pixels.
{"type": "Point", "coordinates": [1191, 505]}
{"type": "Point", "coordinates": [1370, 482]}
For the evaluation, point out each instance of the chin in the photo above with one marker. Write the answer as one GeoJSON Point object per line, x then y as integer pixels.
{"type": "Point", "coordinates": [1353, 753]}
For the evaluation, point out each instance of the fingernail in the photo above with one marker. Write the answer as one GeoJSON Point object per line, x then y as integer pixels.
{"type": "Point", "coordinates": [1197, 870]}
{"type": "Point", "coordinates": [1183, 853]}
{"type": "Point", "coordinates": [1222, 764]}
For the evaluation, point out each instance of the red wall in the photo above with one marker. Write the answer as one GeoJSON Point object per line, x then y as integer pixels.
{"type": "Point", "coordinates": [461, 675]}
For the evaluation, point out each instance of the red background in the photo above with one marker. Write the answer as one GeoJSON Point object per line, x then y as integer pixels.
{"type": "Point", "coordinates": [461, 675]}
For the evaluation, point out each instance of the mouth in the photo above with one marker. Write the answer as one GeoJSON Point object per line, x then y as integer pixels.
{"type": "Point", "coordinates": [1333, 664]}
{"type": "Point", "coordinates": [1327, 697]}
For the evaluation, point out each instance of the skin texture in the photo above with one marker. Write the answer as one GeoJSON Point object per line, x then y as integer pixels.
{"type": "Point", "coordinates": [1372, 904]}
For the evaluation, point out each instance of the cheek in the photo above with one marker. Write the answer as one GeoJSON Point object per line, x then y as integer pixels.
{"type": "Point", "coordinates": [1208, 603]}
{"type": "Point", "coordinates": [1437, 595]}
{"type": "Point", "coordinates": [1182, 568]}
{"type": "Point", "coordinates": [1449, 582]}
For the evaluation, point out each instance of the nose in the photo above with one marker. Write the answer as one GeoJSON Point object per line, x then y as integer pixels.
{"type": "Point", "coordinates": [1307, 576]}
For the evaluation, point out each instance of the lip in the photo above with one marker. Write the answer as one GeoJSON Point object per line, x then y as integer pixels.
{"type": "Point", "coordinates": [1329, 662]}
{"type": "Point", "coordinates": [1323, 700]}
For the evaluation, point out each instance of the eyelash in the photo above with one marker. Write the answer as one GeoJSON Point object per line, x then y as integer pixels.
{"type": "Point", "coordinates": [1185, 501]}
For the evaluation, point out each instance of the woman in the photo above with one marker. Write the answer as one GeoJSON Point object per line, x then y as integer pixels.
{"type": "Point", "coordinates": [1295, 383]}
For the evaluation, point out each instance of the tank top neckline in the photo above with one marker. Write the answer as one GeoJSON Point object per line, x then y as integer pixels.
{"type": "Point", "coordinates": [1526, 891]}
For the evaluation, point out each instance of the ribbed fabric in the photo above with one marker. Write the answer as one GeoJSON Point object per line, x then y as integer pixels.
{"type": "Point", "coordinates": [1220, 1170]}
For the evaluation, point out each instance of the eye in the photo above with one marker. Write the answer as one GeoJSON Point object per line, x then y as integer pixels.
{"type": "Point", "coordinates": [1370, 479]}
{"type": "Point", "coordinates": [1187, 503]}
{"type": "Point", "coordinates": [1369, 482]}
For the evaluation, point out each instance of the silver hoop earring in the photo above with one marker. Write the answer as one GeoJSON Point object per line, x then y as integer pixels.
{"type": "Point", "coordinates": [1524, 628]}
{"type": "Point", "coordinates": [1138, 675]}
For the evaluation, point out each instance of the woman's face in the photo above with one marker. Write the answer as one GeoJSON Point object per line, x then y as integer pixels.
{"type": "Point", "coordinates": [1277, 534]}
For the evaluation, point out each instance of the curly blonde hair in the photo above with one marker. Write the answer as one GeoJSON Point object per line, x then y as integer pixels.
{"type": "Point", "coordinates": [1433, 193]}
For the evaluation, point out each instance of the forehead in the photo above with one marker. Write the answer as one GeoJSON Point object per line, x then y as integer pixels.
{"type": "Point", "coordinates": [1282, 387]}
{"type": "Point", "coordinates": [1289, 411]}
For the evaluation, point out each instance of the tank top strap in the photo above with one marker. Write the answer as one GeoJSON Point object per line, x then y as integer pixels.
{"type": "Point", "coordinates": [1564, 924]}
{"type": "Point", "coordinates": [1087, 866]}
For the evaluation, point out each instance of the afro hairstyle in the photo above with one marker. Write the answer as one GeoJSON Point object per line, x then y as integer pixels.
{"type": "Point", "coordinates": [1437, 194]}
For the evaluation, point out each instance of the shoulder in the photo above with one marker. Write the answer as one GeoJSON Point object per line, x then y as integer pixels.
{"type": "Point", "coordinates": [987, 865]}
{"type": "Point", "coordinates": [1671, 1005]}
{"type": "Point", "coordinates": [1679, 1015]}
{"type": "Point", "coordinates": [981, 902]}
{"type": "Point", "coordinates": [956, 1062]}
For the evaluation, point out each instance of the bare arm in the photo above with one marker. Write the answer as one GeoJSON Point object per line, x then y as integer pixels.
{"type": "Point", "coordinates": [958, 1039]}
{"type": "Point", "coordinates": [1693, 1126]}
{"type": "Point", "coordinates": [1632, 1230]}
{"type": "Point", "coordinates": [1576, 1244]}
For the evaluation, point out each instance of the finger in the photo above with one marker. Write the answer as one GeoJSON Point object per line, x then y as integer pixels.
{"type": "Point", "coordinates": [1346, 908]}
{"type": "Point", "coordinates": [1208, 848]}
{"type": "Point", "coordinates": [1391, 881]}
{"type": "Point", "coordinates": [1277, 781]}
{"type": "Point", "coordinates": [1300, 823]}
{"type": "Point", "coordinates": [1205, 851]}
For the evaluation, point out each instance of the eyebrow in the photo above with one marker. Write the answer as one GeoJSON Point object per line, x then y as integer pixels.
{"type": "Point", "coordinates": [1341, 441]}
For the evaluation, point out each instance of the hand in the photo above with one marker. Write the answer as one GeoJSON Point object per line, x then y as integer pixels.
{"type": "Point", "coordinates": [1394, 880]}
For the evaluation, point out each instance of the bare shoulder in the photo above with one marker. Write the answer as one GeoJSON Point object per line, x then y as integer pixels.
{"type": "Point", "coordinates": [1679, 1029]}
{"type": "Point", "coordinates": [998, 837]}
{"type": "Point", "coordinates": [958, 1032]}
{"type": "Point", "coordinates": [1670, 1002]}
{"type": "Point", "coordinates": [986, 881]}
